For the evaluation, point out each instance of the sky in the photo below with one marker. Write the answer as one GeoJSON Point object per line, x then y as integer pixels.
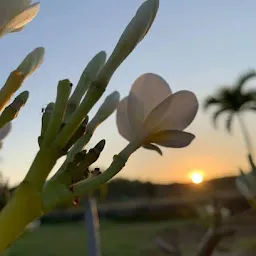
{"type": "Point", "coordinates": [194, 45]}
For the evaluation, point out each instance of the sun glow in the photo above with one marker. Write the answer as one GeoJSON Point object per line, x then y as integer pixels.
{"type": "Point", "coordinates": [196, 177]}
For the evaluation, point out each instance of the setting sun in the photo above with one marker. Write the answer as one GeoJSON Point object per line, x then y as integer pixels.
{"type": "Point", "coordinates": [196, 177]}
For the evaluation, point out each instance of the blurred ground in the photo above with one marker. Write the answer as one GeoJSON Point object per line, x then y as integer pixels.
{"type": "Point", "coordinates": [133, 238]}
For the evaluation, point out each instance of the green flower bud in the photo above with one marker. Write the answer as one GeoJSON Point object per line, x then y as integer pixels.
{"type": "Point", "coordinates": [16, 78]}
{"type": "Point", "coordinates": [12, 84]}
{"type": "Point", "coordinates": [31, 62]}
{"type": "Point", "coordinates": [132, 35]}
{"type": "Point", "coordinates": [107, 108]}
{"type": "Point", "coordinates": [89, 74]}
{"type": "Point", "coordinates": [79, 157]}
{"type": "Point", "coordinates": [96, 172]}
{"type": "Point", "coordinates": [45, 121]}
{"type": "Point", "coordinates": [77, 135]}
{"type": "Point", "coordinates": [92, 156]}
{"type": "Point", "coordinates": [57, 117]}
{"type": "Point", "coordinates": [13, 109]}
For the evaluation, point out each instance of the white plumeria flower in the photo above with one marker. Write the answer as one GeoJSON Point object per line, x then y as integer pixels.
{"type": "Point", "coordinates": [32, 61]}
{"type": "Point", "coordinates": [15, 14]}
{"type": "Point", "coordinates": [153, 114]}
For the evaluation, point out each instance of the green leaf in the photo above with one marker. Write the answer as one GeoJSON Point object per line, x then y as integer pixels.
{"type": "Point", "coordinates": [217, 114]}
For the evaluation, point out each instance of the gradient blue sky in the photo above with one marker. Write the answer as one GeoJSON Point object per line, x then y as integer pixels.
{"type": "Point", "coordinates": [195, 45]}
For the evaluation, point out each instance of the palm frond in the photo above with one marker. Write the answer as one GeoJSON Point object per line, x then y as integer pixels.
{"type": "Point", "coordinates": [217, 114]}
{"type": "Point", "coordinates": [223, 90]}
{"type": "Point", "coordinates": [210, 101]}
{"type": "Point", "coordinates": [229, 122]}
{"type": "Point", "coordinates": [244, 78]}
{"type": "Point", "coordinates": [250, 94]}
{"type": "Point", "coordinates": [253, 108]}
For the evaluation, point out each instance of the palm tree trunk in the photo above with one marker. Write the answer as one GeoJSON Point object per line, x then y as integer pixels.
{"type": "Point", "coordinates": [245, 134]}
{"type": "Point", "coordinates": [247, 142]}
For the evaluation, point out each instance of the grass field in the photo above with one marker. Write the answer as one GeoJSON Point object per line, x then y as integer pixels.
{"type": "Point", "coordinates": [117, 238]}
{"type": "Point", "coordinates": [69, 239]}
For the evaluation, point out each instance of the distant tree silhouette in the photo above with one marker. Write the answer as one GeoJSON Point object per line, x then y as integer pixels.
{"type": "Point", "coordinates": [150, 190]}
{"type": "Point", "coordinates": [234, 101]}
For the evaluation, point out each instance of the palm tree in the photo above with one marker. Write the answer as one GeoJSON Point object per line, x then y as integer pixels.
{"type": "Point", "coordinates": [234, 101]}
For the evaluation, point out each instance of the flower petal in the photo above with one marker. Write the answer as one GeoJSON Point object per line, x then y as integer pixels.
{"type": "Point", "coordinates": [11, 8]}
{"type": "Point", "coordinates": [21, 19]}
{"type": "Point", "coordinates": [150, 90]}
{"type": "Point", "coordinates": [176, 112]}
{"type": "Point", "coordinates": [154, 148]}
{"type": "Point", "coordinates": [135, 113]}
{"type": "Point", "coordinates": [122, 120]}
{"type": "Point", "coordinates": [5, 130]}
{"type": "Point", "coordinates": [181, 112]}
{"type": "Point", "coordinates": [32, 61]}
{"type": "Point", "coordinates": [172, 138]}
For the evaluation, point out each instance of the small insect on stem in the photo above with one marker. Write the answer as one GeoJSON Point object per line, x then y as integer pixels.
{"type": "Point", "coordinates": [43, 109]}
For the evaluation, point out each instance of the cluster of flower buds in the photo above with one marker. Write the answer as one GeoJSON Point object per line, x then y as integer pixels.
{"type": "Point", "coordinates": [32, 61]}
{"type": "Point", "coordinates": [78, 169]}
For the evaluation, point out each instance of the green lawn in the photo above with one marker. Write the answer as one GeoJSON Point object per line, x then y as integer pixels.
{"type": "Point", "coordinates": [116, 238]}
{"type": "Point", "coordinates": [69, 239]}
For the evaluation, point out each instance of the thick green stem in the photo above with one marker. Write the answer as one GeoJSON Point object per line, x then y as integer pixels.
{"type": "Point", "coordinates": [116, 166]}
{"type": "Point", "coordinates": [24, 207]}
{"type": "Point", "coordinates": [53, 191]}
{"type": "Point", "coordinates": [41, 167]}
{"type": "Point", "coordinates": [82, 188]}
